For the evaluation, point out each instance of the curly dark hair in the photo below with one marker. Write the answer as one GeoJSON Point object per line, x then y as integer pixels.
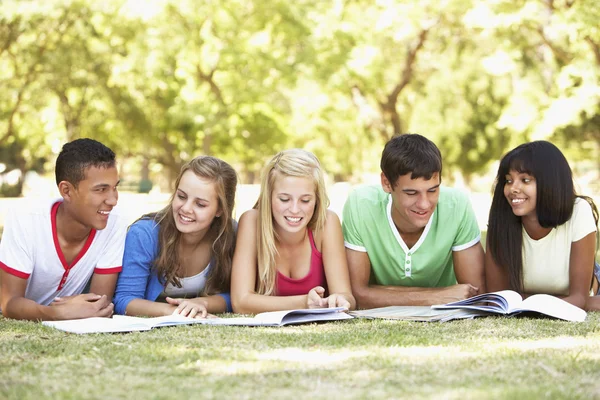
{"type": "Point", "coordinates": [78, 155]}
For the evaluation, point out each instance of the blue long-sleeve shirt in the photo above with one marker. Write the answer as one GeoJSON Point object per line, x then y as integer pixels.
{"type": "Point", "coordinates": [138, 279]}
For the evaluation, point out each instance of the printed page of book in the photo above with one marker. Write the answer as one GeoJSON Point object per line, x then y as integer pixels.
{"type": "Point", "coordinates": [499, 302]}
{"type": "Point", "coordinates": [96, 325]}
{"type": "Point", "coordinates": [286, 317]}
{"type": "Point", "coordinates": [302, 317]}
{"type": "Point", "coordinates": [417, 313]}
{"type": "Point", "coordinates": [553, 307]}
{"type": "Point", "coordinates": [166, 320]}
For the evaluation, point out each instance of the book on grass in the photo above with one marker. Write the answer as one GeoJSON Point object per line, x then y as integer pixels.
{"type": "Point", "coordinates": [286, 317]}
{"type": "Point", "coordinates": [122, 323]}
{"type": "Point", "coordinates": [508, 302]}
{"type": "Point", "coordinates": [417, 313]}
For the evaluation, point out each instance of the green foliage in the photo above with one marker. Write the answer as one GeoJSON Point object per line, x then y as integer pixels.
{"type": "Point", "coordinates": [167, 80]}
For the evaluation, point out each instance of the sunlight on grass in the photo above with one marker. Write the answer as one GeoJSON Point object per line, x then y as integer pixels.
{"type": "Point", "coordinates": [502, 358]}
{"type": "Point", "coordinates": [561, 342]}
{"type": "Point", "coordinates": [316, 358]}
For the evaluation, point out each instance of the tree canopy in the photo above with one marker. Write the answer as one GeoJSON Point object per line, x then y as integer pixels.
{"type": "Point", "coordinates": [162, 81]}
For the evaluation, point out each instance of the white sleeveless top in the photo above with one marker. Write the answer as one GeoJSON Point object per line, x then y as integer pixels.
{"type": "Point", "coordinates": [546, 261]}
{"type": "Point", "coordinates": [190, 286]}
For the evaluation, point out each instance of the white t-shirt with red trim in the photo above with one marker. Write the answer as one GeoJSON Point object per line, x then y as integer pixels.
{"type": "Point", "coordinates": [30, 250]}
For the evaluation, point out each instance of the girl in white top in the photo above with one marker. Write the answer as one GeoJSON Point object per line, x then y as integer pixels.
{"type": "Point", "coordinates": [541, 235]}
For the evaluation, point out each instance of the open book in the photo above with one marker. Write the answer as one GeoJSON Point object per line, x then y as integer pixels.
{"type": "Point", "coordinates": [508, 302]}
{"type": "Point", "coordinates": [417, 313]}
{"type": "Point", "coordinates": [121, 323]}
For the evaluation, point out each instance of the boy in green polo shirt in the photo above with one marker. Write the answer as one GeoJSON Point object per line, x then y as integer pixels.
{"type": "Point", "coordinates": [410, 241]}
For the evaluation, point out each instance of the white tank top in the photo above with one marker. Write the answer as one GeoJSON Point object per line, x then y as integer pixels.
{"type": "Point", "coordinates": [190, 286]}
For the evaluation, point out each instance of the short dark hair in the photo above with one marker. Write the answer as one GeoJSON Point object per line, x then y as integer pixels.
{"type": "Point", "coordinates": [78, 155]}
{"type": "Point", "coordinates": [410, 153]}
{"type": "Point", "coordinates": [554, 202]}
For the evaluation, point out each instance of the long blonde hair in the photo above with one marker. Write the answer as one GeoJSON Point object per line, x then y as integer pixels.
{"type": "Point", "coordinates": [222, 228]}
{"type": "Point", "coordinates": [296, 163]}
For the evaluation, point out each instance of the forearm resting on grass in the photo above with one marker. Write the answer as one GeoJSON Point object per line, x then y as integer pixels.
{"type": "Point", "coordinates": [193, 307]}
{"type": "Point", "coordinates": [103, 284]}
{"type": "Point", "coordinates": [213, 304]}
{"type": "Point", "coordinates": [75, 307]}
{"type": "Point", "coordinates": [581, 268]}
{"type": "Point", "coordinates": [578, 300]}
{"type": "Point", "coordinates": [15, 305]}
{"type": "Point", "coordinates": [374, 296]}
{"type": "Point", "coordinates": [253, 303]}
{"type": "Point", "coordinates": [593, 303]}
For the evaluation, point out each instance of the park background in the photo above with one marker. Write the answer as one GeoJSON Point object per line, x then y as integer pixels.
{"type": "Point", "coordinates": [161, 81]}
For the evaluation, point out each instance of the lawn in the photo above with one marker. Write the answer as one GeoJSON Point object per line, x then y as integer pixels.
{"type": "Point", "coordinates": [492, 357]}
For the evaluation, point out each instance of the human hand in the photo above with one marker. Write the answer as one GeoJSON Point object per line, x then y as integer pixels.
{"type": "Point", "coordinates": [192, 308]}
{"type": "Point", "coordinates": [457, 292]}
{"type": "Point", "coordinates": [82, 306]}
{"type": "Point", "coordinates": [315, 299]}
{"type": "Point", "coordinates": [337, 300]}
{"type": "Point", "coordinates": [59, 300]}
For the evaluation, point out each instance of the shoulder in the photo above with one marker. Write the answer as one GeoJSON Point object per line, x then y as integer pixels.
{"type": "Point", "coordinates": [144, 227]}
{"type": "Point", "coordinates": [367, 192]}
{"type": "Point", "coordinates": [453, 199]}
{"type": "Point", "coordinates": [331, 216]}
{"type": "Point", "coordinates": [582, 210]}
{"type": "Point", "coordinates": [247, 224]}
{"type": "Point", "coordinates": [366, 197]}
{"type": "Point", "coordinates": [26, 214]}
{"type": "Point", "coordinates": [455, 195]}
{"type": "Point", "coordinates": [332, 220]}
{"type": "Point", "coordinates": [582, 206]}
{"type": "Point", "coordinates": [249, 217]}
{"type": "Point", "coordinates": [32, 208]}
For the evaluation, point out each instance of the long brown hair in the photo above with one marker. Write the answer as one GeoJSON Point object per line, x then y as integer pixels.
{"type": "Point", "coordinates": [222, 228]}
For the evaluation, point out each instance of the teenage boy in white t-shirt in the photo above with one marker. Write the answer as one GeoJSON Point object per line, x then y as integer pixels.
{"type": "Point", "coordinates": [409, 241]}
{"type": "Point", "coordinates": [50, 250]}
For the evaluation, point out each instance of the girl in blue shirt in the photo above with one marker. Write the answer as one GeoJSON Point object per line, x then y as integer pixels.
{"type": "Point", "coordinates": [178, 260]}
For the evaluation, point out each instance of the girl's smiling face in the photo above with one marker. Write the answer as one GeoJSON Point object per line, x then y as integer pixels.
{"type": "Point", "coordinates": [293, 201]}
{"type": "Point", "coordinates": [195, 204]}
{"type": "Point", "coordinates": [520, 191]}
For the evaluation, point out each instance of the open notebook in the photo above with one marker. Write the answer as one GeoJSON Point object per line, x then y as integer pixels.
{"type": "Point", "coordinates": [121, 323]}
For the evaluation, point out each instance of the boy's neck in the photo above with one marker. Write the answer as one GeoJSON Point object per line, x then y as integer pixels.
{"type": "Point", "coordinates": [68, 228]}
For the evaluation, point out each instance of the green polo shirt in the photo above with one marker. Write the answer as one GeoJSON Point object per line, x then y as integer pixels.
{"type": "Point", "coordinates": [368, 227]}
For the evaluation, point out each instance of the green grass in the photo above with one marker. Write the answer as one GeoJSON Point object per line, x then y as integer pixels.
{"type": "Point", "coordinates": [490, 357]}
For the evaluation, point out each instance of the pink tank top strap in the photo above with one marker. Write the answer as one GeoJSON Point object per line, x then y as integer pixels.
{"type": "Point", "coordinates": [315, 251]}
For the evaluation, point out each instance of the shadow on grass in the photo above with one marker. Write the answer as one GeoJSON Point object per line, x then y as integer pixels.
{"type": "Point", "coordinates": [489, 358]}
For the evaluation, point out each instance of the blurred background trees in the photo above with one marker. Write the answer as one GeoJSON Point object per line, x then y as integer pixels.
{"type": "Point", "coordinates": [161, 81]}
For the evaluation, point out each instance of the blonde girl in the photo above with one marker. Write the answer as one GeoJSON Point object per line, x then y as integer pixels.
{"type": "Point", "coordinates": [290, 249]}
